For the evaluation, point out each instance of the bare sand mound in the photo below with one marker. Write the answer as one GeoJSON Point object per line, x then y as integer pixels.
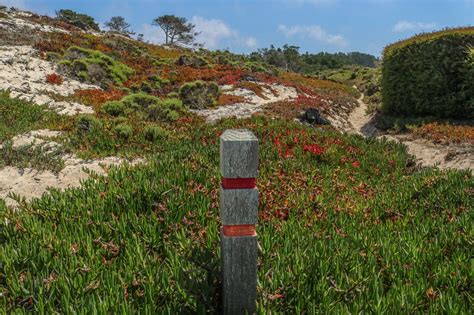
{"type": "Point", "coordinates": [30, 183]}
{"type": "Point", "coordinates": [24, 74]}
{"type": "Point", "coordinates": [253, 103]}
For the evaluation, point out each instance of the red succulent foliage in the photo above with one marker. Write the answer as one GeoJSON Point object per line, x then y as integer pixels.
{"type": "Point", "coordinates": [96, 97]}
{"type": "Point", "coordinates": [314, 149]}
{"type": "Point", "coordinates": [229, 99]}
{"type": "Point", "coordinates": [356, 163]}
{"type": "Point", "coordinates": [54, 78]}
{"type": "Point", "coordinates": [231, 77]}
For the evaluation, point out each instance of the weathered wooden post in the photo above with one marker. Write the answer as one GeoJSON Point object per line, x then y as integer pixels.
{"type": "Point", "coordinates": [238, 211]}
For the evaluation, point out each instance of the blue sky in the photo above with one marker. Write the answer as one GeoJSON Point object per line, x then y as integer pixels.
{"type": "Point", "coordinates": [245, 25]}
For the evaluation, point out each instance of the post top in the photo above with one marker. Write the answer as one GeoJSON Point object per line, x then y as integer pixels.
{"type": "Point", "coordinates": [238, 135]}
{"type": "Point", "coordinates": [239, 154]}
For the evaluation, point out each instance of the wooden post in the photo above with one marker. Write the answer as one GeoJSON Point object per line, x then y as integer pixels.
{"type": "Point", "coordinates": [238, 211]}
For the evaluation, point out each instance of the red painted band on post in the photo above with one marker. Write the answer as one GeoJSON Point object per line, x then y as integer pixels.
{"type": "Point", "coordinates": [238, 183]}
{"type": "Point", "coordinates": [239, 230]}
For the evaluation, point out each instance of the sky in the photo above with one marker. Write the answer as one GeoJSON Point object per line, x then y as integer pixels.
{"type": "Point", "coordinates": [243, 26]}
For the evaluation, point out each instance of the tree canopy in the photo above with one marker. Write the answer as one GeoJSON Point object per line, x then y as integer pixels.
{"type": "Point", "coordinates": [177, 30]}
{"type": "Point", "coordinates": [289, 58]}
{"type": "Point", "coordinates": [119, 25]}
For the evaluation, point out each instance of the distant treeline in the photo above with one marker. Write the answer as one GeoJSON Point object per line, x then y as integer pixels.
{"type": "Point", "coordinates": [289, 58]}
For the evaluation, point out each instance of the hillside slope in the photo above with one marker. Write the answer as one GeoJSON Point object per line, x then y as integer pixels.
{"type": "Point", "coordinates": [347, 224]}
{"type": "Point", "coordinates": [37, 50]}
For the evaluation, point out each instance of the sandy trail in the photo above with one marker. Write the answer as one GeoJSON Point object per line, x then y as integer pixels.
{"type": "Point", "coordinates": [426, 153]}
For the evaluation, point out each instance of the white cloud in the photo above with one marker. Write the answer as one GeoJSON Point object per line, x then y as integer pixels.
{"type": "Point", "coordinates": [315, 32]}
{"type": "Point", "coordinates": [152, 33]}
{"type": "Point", "coordinates": [212, 32]}
{"type": "Point", "coordinates": [404, 26]}
{"type": "Point", "coordinates": [251, 42]}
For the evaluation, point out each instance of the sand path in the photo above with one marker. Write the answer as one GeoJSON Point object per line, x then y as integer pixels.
{"type": "Point", "coordinates": [426, 152]}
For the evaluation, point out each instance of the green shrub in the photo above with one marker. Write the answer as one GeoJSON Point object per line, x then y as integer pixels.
{"type": "Point", "coordinates": [166, 110]}
{"type": "Point", "coordinates": [154, 132]}
{"type": "Point", "coordinates": [149, 107]}
{"type": "Point", "coordinates": [199, 94]}
{"type": "Point", "coordinates": [114, 108]}
{"type": "Point", "coordinates": [256, 67]}
{"type": "Point", "coordinates": [94, 66]}
{"type": "Point", "coordinates": [139, 101]}
{"type": "Point", "coordinates": [87, 124]}
{"type": "Point", "coordinates": [430, 74]}
{"type": "Point", "coordinates": [82, 21]}
{"type": "Point", "coordinates": [123, 131]}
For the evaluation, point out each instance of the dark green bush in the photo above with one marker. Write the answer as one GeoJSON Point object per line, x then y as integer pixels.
{"type": "Point", "coordinates": [94, 66]}
{"type": "Point", "coordinates": [199, 94]}
{"type": "Point", "coordinates": [82, 21]}
{"type": "Point", "coordinates": [113, 108]}
{"type": "Point", "coordinates": [148, 107]}
{"type": "Point", "coordinates": [431, 74]}
{"type": "Point", "coordinates": [191, 61]}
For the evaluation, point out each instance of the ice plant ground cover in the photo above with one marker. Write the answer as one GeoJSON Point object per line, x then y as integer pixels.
{"type": "Point", "coordinates": [346, 224]}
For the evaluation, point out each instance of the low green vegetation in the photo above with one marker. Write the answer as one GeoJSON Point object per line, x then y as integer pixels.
{"type": "Point", "coordinates": [430, 74]}
{"type": "Point", "coordinates": [335, 236]}
{"type": "Point", "coordinates": [94, 66]}
{"type": "Point", "coordinates": [37, 156]}
{"type": "Point", "coordinates": [19, 116]}
{"type": "Point", "coordinates": [147, 107]}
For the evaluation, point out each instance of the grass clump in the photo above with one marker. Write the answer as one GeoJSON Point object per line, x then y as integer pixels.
{"type": "Point", "coordinates": [335, 236]}
{"type": "Point", "coordinates": [123, 131]}
{"type": "Point", "coordinates": [154, 133]}
{"type": "Point", "coordinates": [19, 116]}
{"type": "Point", "coordinates": [95, 67]}
{"type": "Point", "coordinates": [39, 157]}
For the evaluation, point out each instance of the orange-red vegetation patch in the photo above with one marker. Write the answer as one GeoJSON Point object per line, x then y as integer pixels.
{"type": "Point", "coordinates": [56, 42]}
{"type": "Point", "coordinates": [312, 83]}
{"type": "Point", "coordinates": [294, 108]}
{"type": "Point", "coordinates": [96, 97]}
{"type": "Point", "coordinates": [229, 99]}
{"type": "Point", "coordinates": [251, 86]}
{"type": "Point", "coordinates": [231, 77]}
{"type": "Point", "coordinates": [162, 52]}
{"type": "Point", "coordinates": [446, 133]}
{"type": "Point", "coordinates": [54, 78]}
